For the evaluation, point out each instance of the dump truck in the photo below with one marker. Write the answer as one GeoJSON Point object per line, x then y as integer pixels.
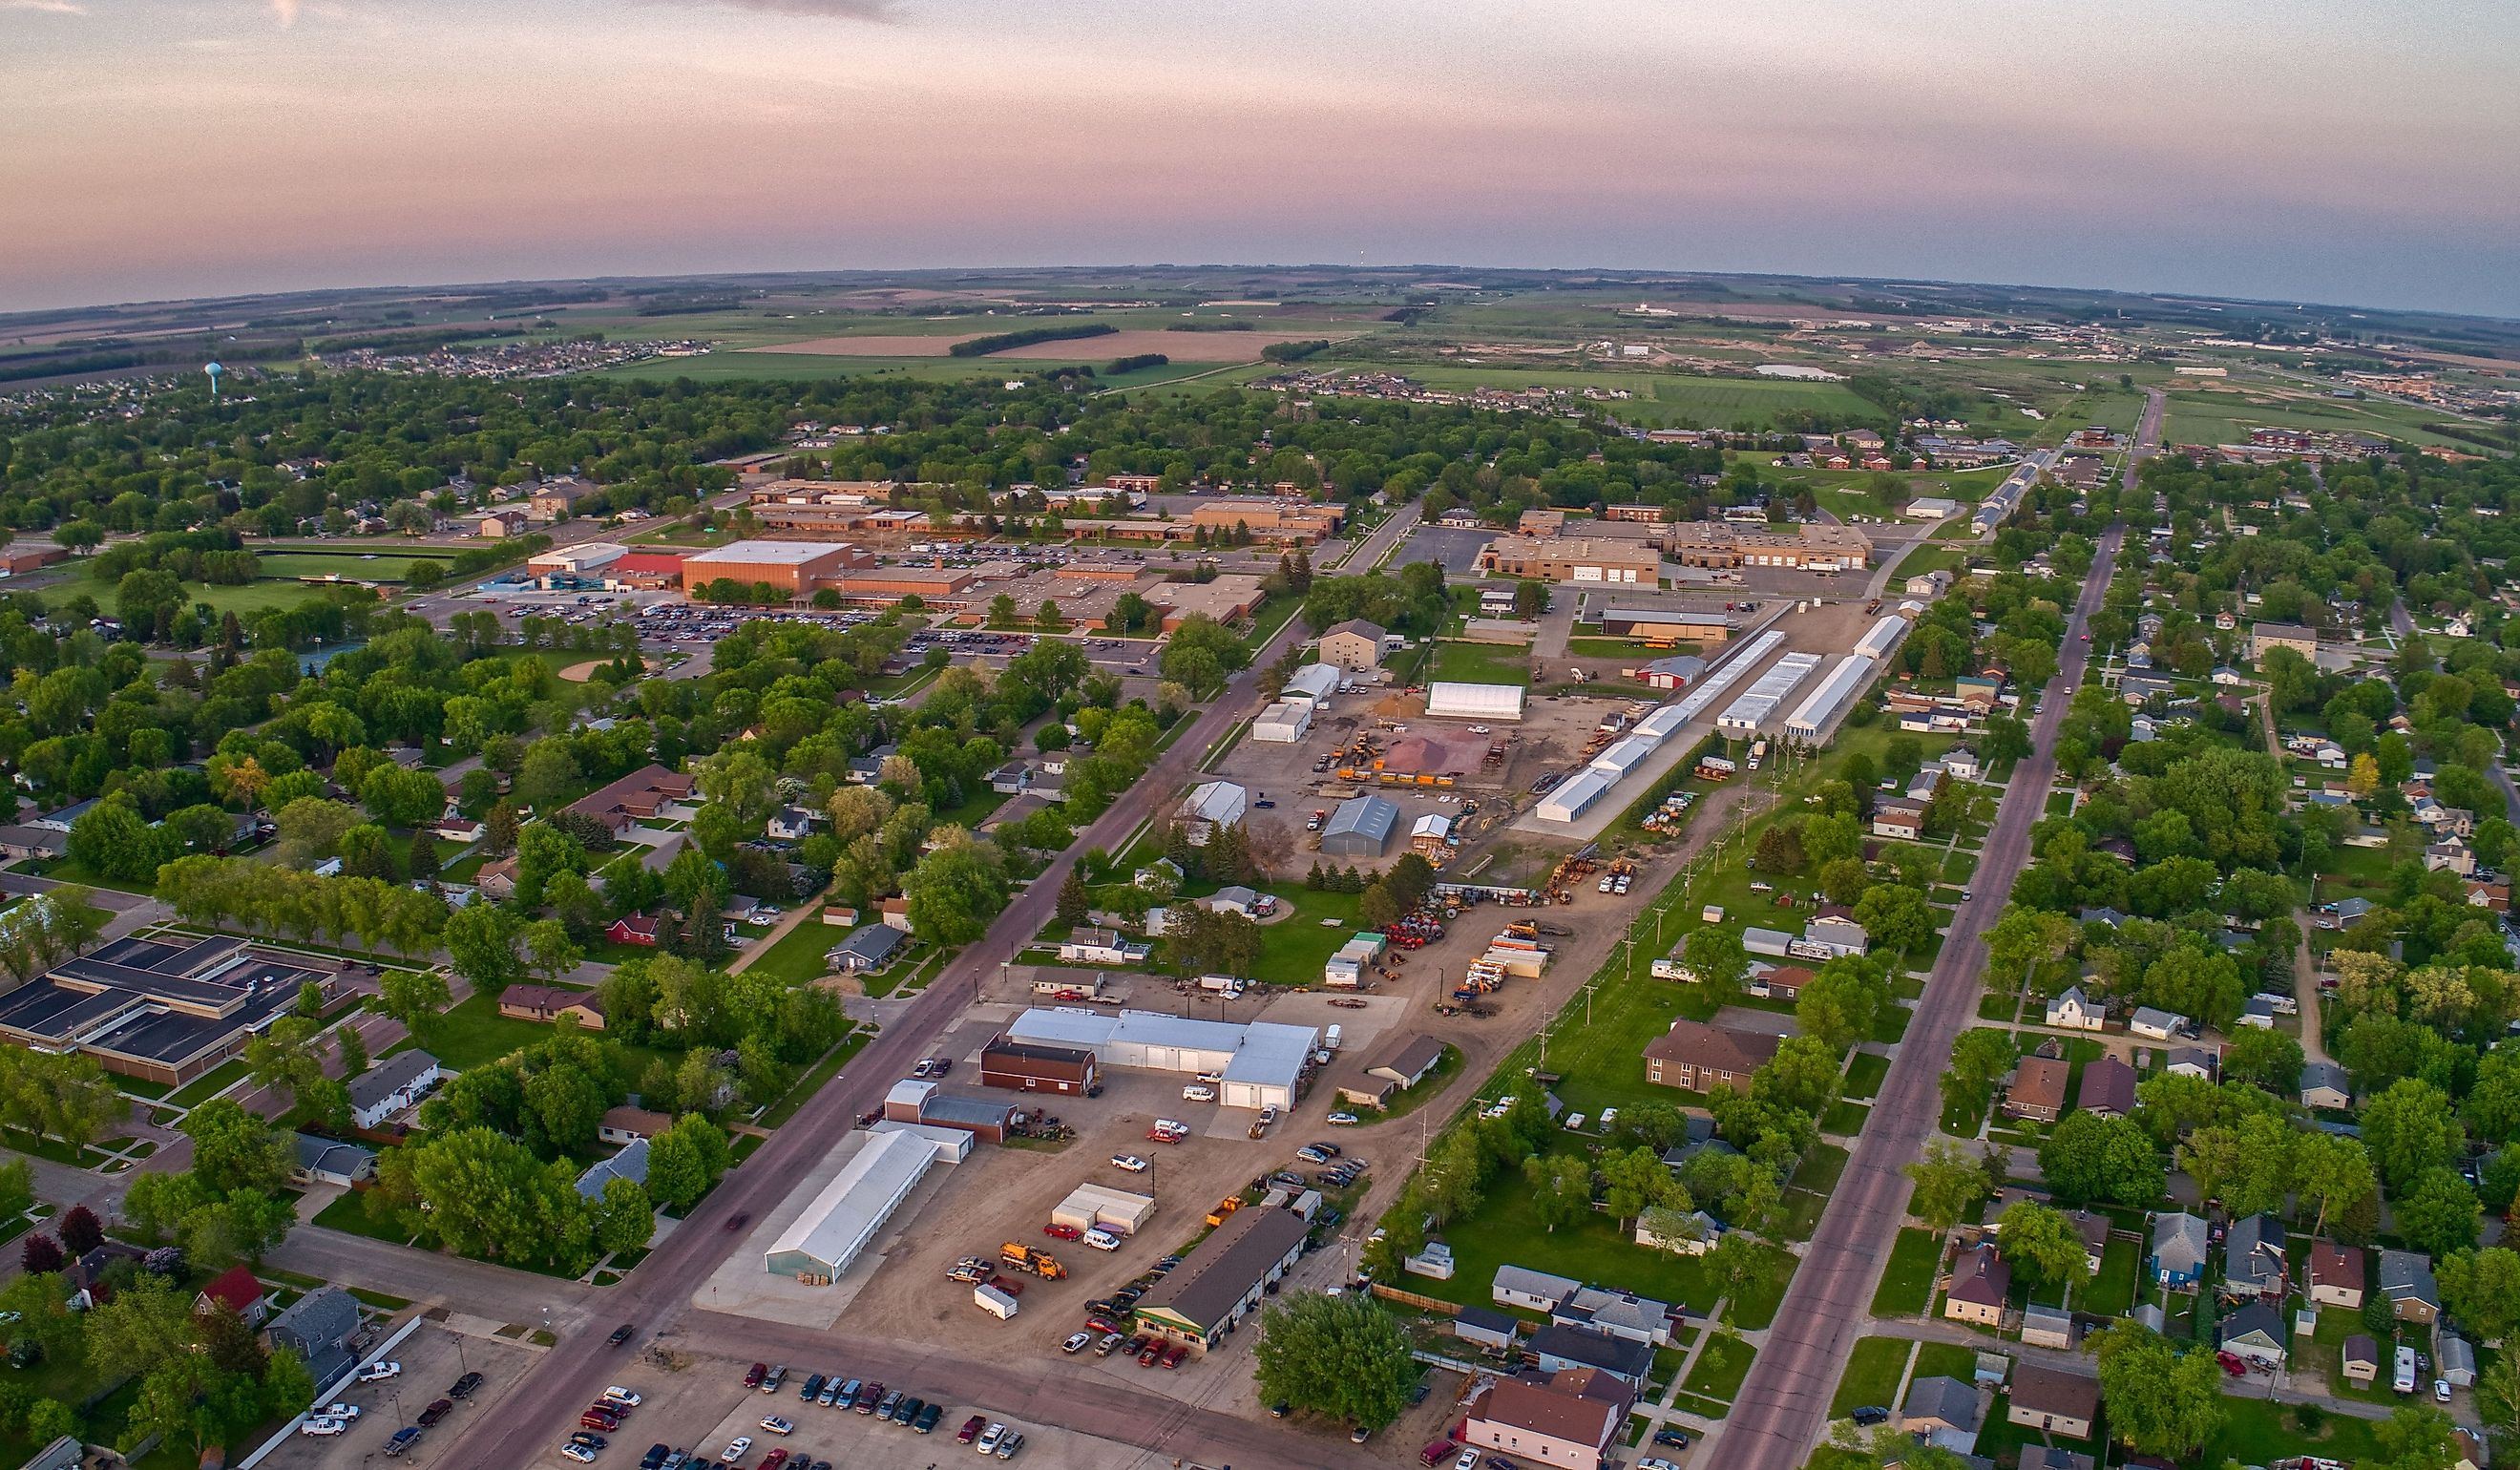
{"type": "Point", "coordinates": [1224, 1207]}
{"type": "Point", "coordinates": [1024, 1258]}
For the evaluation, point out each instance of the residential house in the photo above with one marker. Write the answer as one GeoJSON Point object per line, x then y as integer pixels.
{"type": "Point", "coordinates": [2051, 1458]}
{"type": "Point", "coordinates": [319, 1327]}
{"type": "Point", "coordinates": [2180, 1241]}
{"type": "Point", "coordinates": [2073, 1011]}
{"type": "Point", "coordinates": [2108, 1088]}
{"type": "Point", "coordinates": [869, 947]}
{"type": "Point", "coordinates": [2253, 1259]}
{"type": "Point", "coordinates": [894, 912]}
{"type": "Point", "coordinates": [236, 1289]}
{"type": "Point", "coordinates": [624, 1122]}
{"type": "Point", "coordinates": [2038, 1090]}
{"type": "Point", "coordinates": [1944, 1410]}
{"type": "Point", "coordinates": [2326, 1085]}
{"type": "Point", "coordinates": [2450, 856]}
{"type": "Point", "coordinates": [1569, 1418]}
{"type": "Point", "coordinates": [640, 929]}
{"type": "Point", "coordinates": [1528, 1289]}
{"type": "Point", "coordinates": [1097, 946]}
{"type": "Point", "coordinates": [641, 796]}
{"type": "Point", "coordinates": [550, 1003]}
{"type": "Point", "coordinates": [1900, 820]}
{"type": "Point", "coordinates": [2336, 1275]}
{"type": "Point", "coordinates": [2193, 1061]}
{"type": "Point", "coordinates": [2488, 892]}
{"type": "Point", "coordinates": [329, 1161]}
{"type": "Point", "coordinates": [2094, 1230]}
{"type": "Point", "coordinates": [1697, 1233]}
{"type": "Point", "coordinates": [33, 842]}
{"type": "Point", "coordinates": [1485, 1326]}
{"type": "Point", "coordinates": [1697, 1057]}
{"type": "Point", "coordinates": [1565, 1345]}
{"type": "Point", "coordinates": [1981, 1279]}
{"type": "Point", "coordinates": [2362, 1360]}
{"type": "Point", "coordinates": [793, 824]}
{"type": "Point", "coordinates": [2255, 1332]}
{"type": "Point", "coordinates": [2054, 1400]}
{"type": "Point", "coordinates": [497, 880]}
{"type": "Point", "coordinates": [389, 1087]}
{"type": "Point", "coordinates": [631, 1164]}
{"type": "Point", "coordinates": [2406, 1279]}
{"type": "Point", "coordinates": [1620, 1313]}
{"type": "Point", "coordinates": [2158, 1025]}
{"type": "Point", "coordinates": [1233, 898]}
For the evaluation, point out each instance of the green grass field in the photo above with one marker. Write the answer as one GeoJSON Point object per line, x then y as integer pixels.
{"type": "Point", "coordinates": [2226, 417]}
{"type": "Point", "coordinates": [1908, 1281]}
{"type": "Point", "coordinates": [1872, 1375]}
{"type": "Point", "coordinates": [1482, 663]}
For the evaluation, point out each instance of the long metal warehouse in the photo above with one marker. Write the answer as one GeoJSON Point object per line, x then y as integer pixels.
{"type": "Point", "coordinates": [1623, 756]}
{"type": "Point", "coordinates": [1748, 713]}
{"type": "Point", "coordinates": [845, 1215]}
{"type": "Point", "coordinates": [1883, 636]}
{"type": "Point", "coordinates": [1700, 700]}
{"type": "Point", "coordinates": [1827, 703]}
{"type": "Point", "coordinates": [1573, 799]}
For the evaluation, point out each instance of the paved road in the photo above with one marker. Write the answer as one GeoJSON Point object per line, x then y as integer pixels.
{"type": "Point", "coordinates": [656, 1295]}
{"type": "Point", "coordinates": [1784, 1405]}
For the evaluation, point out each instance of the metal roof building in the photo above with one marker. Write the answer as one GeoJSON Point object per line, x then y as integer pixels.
{"type": "Point", "coordinates": [1361, 827]}
{"type": "Point", "coordinates": [1883, 636]}
{"type": "Point", "coordinates": [1756, 704]}
{"type": "Point", "coordinates": [1725, 675]}
{"type": "Point", "coordinates": [844, 1217]}
{"type": "Point", "coordinates": [1661, 725]}
{"type": "Point", "coordinates": [1841, 685]}
{"type": "Point", "coordinates": [1315, 682]}
{"type": "Point", "coordinates": [1475, 701]}
{"type": "Point", "coordinates": [1623, 756]}
{"type": "Point", "coordinates": [1260, 1062]}
{"type": "Point", "coordinates": [1574, 798]}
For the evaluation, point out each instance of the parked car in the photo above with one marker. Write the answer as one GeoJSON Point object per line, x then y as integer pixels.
{"type": "Point", "coordinates": [2233, 1364]}
{"type": "Point", "coordinates": [970, 1429]}
{"type": "Point", "coordinates": [868, 1396]}
{"type": "Point", "coordinates": [621, 1334]}
{"type": "Point", "coordinates": [403, 1439]}
{"type": "Point", "coordinates": [777, 1425]}
{"type": "Point", "coordinates": [322, 1426]}
{"type": "Point", "coordinates": [910, 1409]}
{"type": "Point", "coordinates": [1012, 1444]}
{"type": "Point", "coordinates": [463, 1387]}
{"type": "Point", "coordinates": [1130, 1162]}
{"type": "Point", "coordinates": [753, 1376]}
{"type": "Point", "coordinates": [1102, 1240]}
{"type": "Point", "coordinates": [1342, 1120]}
{"type": "Point", "coordinates": [1057, 1230]}
{"type": "Point", "coordinates": [1870, 1415]}
{"type": "Point", "coordinates": [617, 1394]}
{"type": "Point", "coordinates": [1077, 1342]}
{"type": "Point", "coordinates": [925, 1423]}
{"type": "Point", "coordinates": [440, 1409]}
{"type": "Point", "coordinates": [378, 1372]}
{"type": "Point", "coordinates": [735, 1448]}
{"type": "Point", "coordinates": [987, 1443]}
{"type": "Point", "coordinates": [578, 1453]}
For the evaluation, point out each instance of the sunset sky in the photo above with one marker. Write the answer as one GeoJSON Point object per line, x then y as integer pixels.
{"type": "Point", "coordinates": [2287, 149]}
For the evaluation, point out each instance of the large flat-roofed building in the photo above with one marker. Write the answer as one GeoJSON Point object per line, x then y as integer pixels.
{"type": "Point", "coordinates": [1655, 623]}
{"type": "Point", "coordinates": [840, 1220]}
{"type": "Point", "coordinates": [1721, 543]}
{"type": "Point", "coordinates": [1274, 520]}
{"type": "Point", "coordinates": [796, 568]}
{"type": "Point", "coordinates": [1029, 1067]}
{"type": "Point", "coordinates": [1224, 1276]}
{"type": "Point", "coordinates": [1571, 559]}
{"type": "Point", "coordinates": [2264, 636]}
{"type": "Point", "coordinates": [1227, 599]}
{"type": "Point", "coordinates": [885, 585]}
{"type": "Point", "coordinates": [157, 1010]}
{"type": "Point", "coordinates": [1260, 1063]}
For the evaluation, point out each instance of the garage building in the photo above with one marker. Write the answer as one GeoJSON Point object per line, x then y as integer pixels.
{"type": "Point", "coordinates": [841, 1222]}
{"type": "Point", "coordinates": [1029, 1067]}
{"type": "Point", "coordinates": [1284, 723]}
{"type": "Point", "coordinates": [1475, 701]}
{"type": "Point", "coordinates": [1664, 623]}
{"type": "Point", "coordinates": [1261, 1063]}
{"type": "Point", "coordinates": [916, 1101]}
{"type": "Point", "coordinates": [1224, 1276]}
{"type": "Point", "coordinates": [1313, 684]}
{"type": "Point", "coordinates": [1361, 827]}
{"type": "Point", "coordinates": [1092, 1206]}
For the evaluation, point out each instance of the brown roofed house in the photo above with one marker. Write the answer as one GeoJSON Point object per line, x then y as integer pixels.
{"type": "Point", "coordinates": [550, 1003]}
{"type": "Point", "coordinates": [1980, 1282]}
{"type": "Point", "coordinates": [1697, 1057]}
{"type": "Point", "coordinates": [2054, 1400]}
{"type": "Point", "coordinates": [2037, 1088]}
{"type": "Point", "coordinates": [1570, 1417]}
{"type": "Point", "coordinates": [2336, 1275]}
{"type": "Point", "coordinates": [2108, 1088]}
{"type": "Point", "coordinates": [641, 796]}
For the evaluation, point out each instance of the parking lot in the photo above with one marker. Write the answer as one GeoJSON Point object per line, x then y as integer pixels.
{"type": "Point", "coordinates": [432, 1360]}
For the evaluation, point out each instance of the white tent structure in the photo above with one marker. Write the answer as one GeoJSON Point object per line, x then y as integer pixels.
{"type": "Point", "coordinates": [1475, 701]}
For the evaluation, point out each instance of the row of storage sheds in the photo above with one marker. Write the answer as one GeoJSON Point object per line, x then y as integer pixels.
{"type": "Point", "coordinates": [1725, 675]}
{"type": "Point", "coordinates": [1825, 703]}
{"type": "Point", "coordinates": [1756, 704]}
{"type": "Point", "coordinates": [1882, 637]}
{"type": "Point", "coordinates": [1574, 798]}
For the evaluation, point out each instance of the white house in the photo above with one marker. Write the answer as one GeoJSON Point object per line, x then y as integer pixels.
{"type": "Point", "coordinates": [392, 1085]}
{"type": "Point", "coordinates": [792, 823]}
{"type": "Point", "coordinates": [1101, 947]}
{"type": "Point", "coordinates": [2156, 1025]}
{"type": "Point", "coordinates": [2073, 1011]}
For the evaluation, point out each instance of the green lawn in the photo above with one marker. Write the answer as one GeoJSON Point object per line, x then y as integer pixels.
{"type": "Point", "coordinates": [2112, 1291]}
{"type": "Point", "coordinates": [1908, 1281]}
{"type": "Point", "coordinates": [349, 1215]}
{"type": "Point", "coordinates": [1481, 663]}
{"type": "Point", "coordinates": [1294, 948]}
{"type": "Point", "coordinates": [797, 957]}
{"type": "Point", "coordinates": [2256, 1432]}
{"type": "Point", "coordinates": [1945, 1360]}
{"type": "Point", "coordinates": [1721, 1366]}
{"type": "Point", "coordinates": [815, 1077]}
{"type": "Point", "coordinates": [1845, 1119]}
{"type": "Point", "coordinates": [1872, 1375]}
{"type": "Point", "coordinates": [1866, 1074]}
{"type": "Point", "coordinates": [254, 596]}
{"type": "Point", "coordinates": [473, 1033]}
{"type": "Point", "coordinates": [208, 1084]}
{"type": "Point", "coordinates": [1820, 1168]}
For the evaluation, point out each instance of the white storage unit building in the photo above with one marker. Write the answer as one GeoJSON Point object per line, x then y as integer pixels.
{"type": "Point", "coordinates": [1661, 725]}
{"type": "Point", "coordinates": [835, 1227]}
{"type": "Point", "coordinates": [1623, 757]}
{"type": "Point", "coordinates": [1092, 1206]}
{"type": "Point", "coordinates": [1827, 703]}
{"type": "Point", "coordinates": [1475, 701]}
{"type": "Point", "coordinates": [1883, 636]}
{"type": "Point", "coordinates": [1284, 723]}
{"type": "Point", "coordinates": [1313, 682]}
{"type": "Point", "coordinates": [1759, 702]}
{"type": "Point", "coordinates": [1574, 798]}
{"type": "Point", "coordinates": [1725, 675]}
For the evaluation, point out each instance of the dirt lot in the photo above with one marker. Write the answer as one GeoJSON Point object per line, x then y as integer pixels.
{"type": "Point", "coordinates": [1180, 346]}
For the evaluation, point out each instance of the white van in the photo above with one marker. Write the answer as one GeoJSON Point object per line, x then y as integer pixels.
{"type": "Point", "coordinates": [1198, 1091]}
{"type": "Point", "coordinates": [1102, 1239]}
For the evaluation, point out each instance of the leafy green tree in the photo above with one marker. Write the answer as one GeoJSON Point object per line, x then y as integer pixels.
{"type": "Point", "coordinates": [2410, 1129]}
{"type": "Point", "coordinates": [624, 1219]}
{"type": "Point", "coordinates": [1716, 957]}
{"type": "Point", "coordinates": [1341, 1357]}
{"type": "Point", "coordinates": [482, 941]}
{"type": "Point", "coordinates": [1841, 1002]}
{"type": "Point", "coordinates": [2088, 1158]}
{"type": "Point", "coordinates": [2482, 1290]}
{"type": "Point", "coordinates": [684, 1160]}
{"type": "Point", "coordinates": [401, 798]}
{"type": "Point", "coordinates": [2438, 1213]}
{"type": "Point", "coordinates": [415, 998]}
{"type": "Point", "coordinates": [232, 1149]}
{"type": "Point", "coordinates": [1635, 1182]}
{"type": "Point", "coordinates": [2265, 1058]}
{"type": "Point", "coordinates": [2161, 1401]}
{"type": "Point", "coordinates": [2044, 1247]}
{"type": "Point", "coordinates": [955, 892]}
{"type": "Point", "coordinates": [1950, 1187]}
{"type": "Point", "coordinates": [1562, 1189]}
{"type": "Point", "coordinates": [1979, 1057]}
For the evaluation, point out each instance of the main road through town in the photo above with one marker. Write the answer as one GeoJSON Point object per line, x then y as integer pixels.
{"type": "Point", "coordinates": [545, 1405]}
{"type": "Point", "coordinates": [1784, 1405]}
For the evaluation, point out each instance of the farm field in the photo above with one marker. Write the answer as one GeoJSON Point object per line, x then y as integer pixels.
{"type": "Point", "coordinates": [2226, 417]}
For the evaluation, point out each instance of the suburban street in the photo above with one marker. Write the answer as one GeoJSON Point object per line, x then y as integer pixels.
{"type": "Point", "coordinates": [1784, 1405]}
{"type": "Point", "coordinates": [655, 1295]}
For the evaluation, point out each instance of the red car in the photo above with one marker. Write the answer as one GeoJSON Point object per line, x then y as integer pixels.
{"type": "Point", "coordinates": [970, 1429]}
{"type": "Point", "coordinates": [2232, 1365]}
{"type": "Point", "coordinates": [1062, 1231]}
{"type": "Point", "coordinates": [599, 1417]}
{"type": "Point", "coordinates": [773, 1459]}
{"type": "Point", "coordinates": [759, 1372]}
{"type": "Point", "coordinates": [1153, 1354]}
{"type": "Point", "coordinates": [1174, 1354]}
